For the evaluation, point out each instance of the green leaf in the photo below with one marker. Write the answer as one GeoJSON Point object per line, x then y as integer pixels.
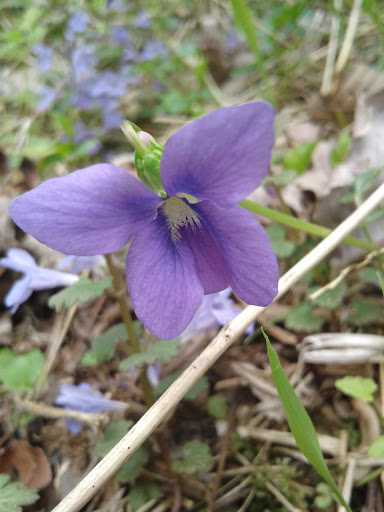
{"type": "Point", "coordinates": [364, 312]}
{"type": "Point", "coordinates": [217, 406]}
{"type": "Point", "coordinates": [376, 450]}
{"type": "Point", "coordinates": [112, 435]}
{"type": "Point", "coordinates": [381, 282]}
{"type": "Point", "coordinates": [300, 318]}
{"type": "Point", "coordinates": [331, 298]}
{"type": "Point", "coordinates": [299, 157]}
{"type": "Point", "coordinates": [131, 469]}
{"type": "Point", "coordinates": [340, 149]}
{"type": "Point", "coordinates": [162, 350]}
{"type": "Point", "coordinates": [82, 291]}
{"type": "Point", "coordinates": [300, 423]}
{"type": "Point", "coordinates": [282, 179]}
{"type": "Point", "coordinates": [196, 457]}
{"type": "Point", "coordinates": [277, 238]}
{"type": "Point", "coordinates": [142, 492]}
{"type": "Point", "coordinates": [103, 346]}
{"type": "Point", "coordinates": [357, 387]}
{"type": "Point", "coordinates": [13, 496]}
{"type": "Point", "coordinates": [20, 371]}
{"type": "Point", "coordinates": [200, 386]}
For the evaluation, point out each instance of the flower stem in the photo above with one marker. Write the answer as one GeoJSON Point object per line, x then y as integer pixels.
{"type": "Point", "coordinates": [302, 225]}
{"type": "Point", "coordinates": [126, 315]}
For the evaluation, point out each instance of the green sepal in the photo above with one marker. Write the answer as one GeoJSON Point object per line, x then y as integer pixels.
{"type": "Point", "coordinates": [148, 168]}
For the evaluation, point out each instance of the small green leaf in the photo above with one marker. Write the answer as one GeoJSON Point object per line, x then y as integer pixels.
{"type": "Point", "coordinates": [13, 496]}
{"type": "Point", "coordinates": [162, 350]}
{"type": "Point", "coordinates": [381, 280]}
{"type": "Point", "coordinates": [331, 298]}
{"type": "Point", "coordinates": [103, 346]}
{"type": "Point", "coordinates": [357, 387]}
{"type": "Point", "coordinates": [299, 157]}
{"type": "Point", "coordinates": [82, 291]}
{"type": "Point", "coordinates": [364, 312]}
{"type": "Point", "coordinates": [131, 469]}
{"type": "Point", "coordinates": [112, 435]}
{"type": "Point", "coordinates": [20, 371]}
{"type": "Point", "coordinates": [196, 457]}
{"type": "Point", "coordinates": [200, 386]}
{"type": "Point", "coordinates": [277, 238]}
{"type": "Point", "coordinates": [217, 406]}
{"type": "Point", "coordinates": [376, 450]}
{"type": "Point", "coordinates": [142, 492]}
{"type": "Point", "coordinates": [300, 318]}
{"type": "Point", "coordinates": [340, 149]}
{"type": "Point", "coordinates": [300, 423]}
{"type": "Point", "coordinates": [282, 179]}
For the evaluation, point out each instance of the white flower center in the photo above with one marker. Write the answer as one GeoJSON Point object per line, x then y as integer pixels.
{"type": "Point", "coordinates": [179, 215]}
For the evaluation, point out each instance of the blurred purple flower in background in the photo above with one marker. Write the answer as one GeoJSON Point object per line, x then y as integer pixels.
{"type": "Point", "coordinates": [150, 50]}
{"type": "Point", "coordinates": [181, 250]}
{"type": "Point", "coordinates": [216, 309]}
{"type": "Point", "coordinates": [142, 19]}
{"type": "Point", "coordinates": [82, 398]}
{"type": "Point", "coordinates": [77, 23]}
{"type": "Point", "coordinates": [44, 56]}
{"type": "Point", "coordinates": [76, 264]}
{"type": "Point", "coordinates": [45, 97]}
{"type": "Point", "coordinates": [34, 278]}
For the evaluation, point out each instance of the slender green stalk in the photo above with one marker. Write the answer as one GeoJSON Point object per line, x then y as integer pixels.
{"type": "Point", "coordinates": [244, 20]}
{"type": "Point", "coordinates": [302, 225]}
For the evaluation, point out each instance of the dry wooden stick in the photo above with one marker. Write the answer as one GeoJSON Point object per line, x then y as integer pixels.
{"type": "Point", "coordinates": [108, 466]}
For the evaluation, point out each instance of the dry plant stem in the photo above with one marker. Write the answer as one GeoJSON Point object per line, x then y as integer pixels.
{"type": "Point", "coordinates": [349, 36]}
{"type": "Point", "coordinates": [280, 497]}
{"type": "Point", "coordinates": [106, 468]}
{"type": "Point", "coordinates": [59, 333]}
{"type": "Point", "coordinates": [331, 53]}
{"type": "Point", "coordinates": [123, 305]}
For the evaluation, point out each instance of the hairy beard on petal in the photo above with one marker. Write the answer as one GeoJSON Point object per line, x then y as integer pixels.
{"type": "Point", "coordinates": [179, 214]}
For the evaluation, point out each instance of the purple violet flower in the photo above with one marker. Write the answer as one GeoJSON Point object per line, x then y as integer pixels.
{"type": "Point", "coordinates": [182, 248]}
{"type": "Point", "coordinates": [76, 264]}
{"type": "Point", "coordinates": [77, 23]}
{"type": "Point", "coordinates": [81, 398]}
{"type": "Point", "coordinates": [44, 56]}
{"type": "Point", "coordinates": [215, 310]}
{"type": "Point", "coordinates": [34, 278]}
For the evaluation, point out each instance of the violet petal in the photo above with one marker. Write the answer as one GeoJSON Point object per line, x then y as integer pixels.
{"type": "Point", "coordinates": [251, 263]}
{"type": "Point", "coordinates": [161, 278]}
{"type": "Point", "coordinates": [221, 156]}
{"type": "Point", "coordinates": [92, 211]}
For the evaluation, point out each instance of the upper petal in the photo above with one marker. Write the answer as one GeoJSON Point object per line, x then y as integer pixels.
{"type": "Point", "coordinates": [251, 263]}
{"type": "Point", "coordinates": [92, 211]}
{"type": "Point", "coordinates": [162, 280]}
{"type": "Point", "coordinates": [221, 156]}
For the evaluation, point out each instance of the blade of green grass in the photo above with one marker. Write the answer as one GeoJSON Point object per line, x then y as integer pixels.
{"type": "Point", "coordinates": [244, 20]}
{"type": "Point", "coordinates": [307, 227]}
{"type": "Point", "coordinates": [300, 423]}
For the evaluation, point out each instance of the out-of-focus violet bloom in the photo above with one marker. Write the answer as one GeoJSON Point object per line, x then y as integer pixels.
{"type": "Point", "coordinates": [84, 62]}
{"type": "Point", "coordinates": [117, 5]}
{"type": "Point", "coordinates": [34, 278]}
{"type": "Point", "coordinates": [82, 398]}
{"type": "Point", "coordinates": [215, 310]}
{"type": "Point", "coordinates": [120, 34]}
{"type": "Point", "coordinates": [76, 264]}
{"type": "Point", "coordinates": [182, 248]}
{"type": "Point", "coordinates": [44, 56]}
{"type": "Point", "coordinates": [77, 23]}
{"type": "Point", "coordinates": [150, 50]}
{"type": "Point", "coordinates": [142, 19]}
{"type": "Point", "coordinates": [45, 97]}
